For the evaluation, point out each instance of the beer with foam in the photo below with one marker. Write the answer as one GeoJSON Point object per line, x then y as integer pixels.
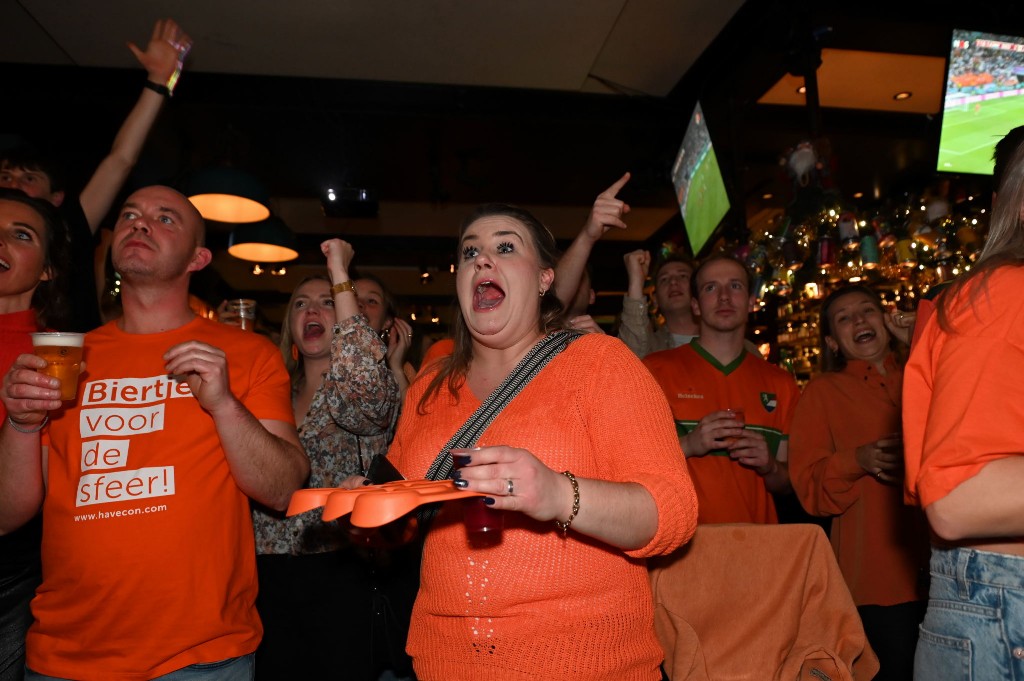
{"type": "Point", "coordinates": [63, 354]}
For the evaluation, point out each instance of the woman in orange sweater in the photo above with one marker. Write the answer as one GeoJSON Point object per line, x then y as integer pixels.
{"type": "Point", "coordinates": [963, 421]}
{"type": "Point", "coordinates": [565, 593]}
{"type": "Point", "coordinates": [846, 462]}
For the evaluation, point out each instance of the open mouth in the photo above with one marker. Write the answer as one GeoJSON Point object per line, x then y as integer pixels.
{"type": "Point", "coordinates": [312, 330]}
{"type": "Point", "coordinates": [487, 296]}
{"type": "Point", "coordinates": [864, 336]}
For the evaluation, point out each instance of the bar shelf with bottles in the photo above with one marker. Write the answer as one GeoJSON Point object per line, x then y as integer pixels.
{"type": "Point", "coordinates": [901, 256]}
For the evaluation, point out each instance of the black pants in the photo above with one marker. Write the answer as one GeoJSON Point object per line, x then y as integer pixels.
{"type": "Point", "coordinates": [17, 587]}
{"type": "Point", "coordinates": [334, 615]}
{"type": "Point", "coordinates": [892, 633]}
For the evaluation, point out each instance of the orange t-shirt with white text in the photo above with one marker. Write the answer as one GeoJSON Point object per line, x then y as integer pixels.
{"type": "Point", "coordinates": [148, 555]}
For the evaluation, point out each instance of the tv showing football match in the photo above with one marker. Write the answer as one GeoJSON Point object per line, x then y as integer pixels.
{"type": "Point", "coordinates": [984, 99]}
{"type": "Point", "coordinates": [700, 188]}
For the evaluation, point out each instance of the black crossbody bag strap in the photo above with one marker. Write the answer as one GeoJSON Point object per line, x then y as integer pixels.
{"type": "Point", "coordinates": [528, 367]}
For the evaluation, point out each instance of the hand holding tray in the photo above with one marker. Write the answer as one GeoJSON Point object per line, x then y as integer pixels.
{"type": "Point", "coordinates": [376, 505]}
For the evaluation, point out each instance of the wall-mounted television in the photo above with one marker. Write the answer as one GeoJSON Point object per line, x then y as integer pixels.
{"type": "Point", "coordinates": [984, 99]}
{"type": "Point", "coordinates": [700, 189]}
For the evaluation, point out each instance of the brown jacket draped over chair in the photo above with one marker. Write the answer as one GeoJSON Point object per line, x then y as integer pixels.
{"type": "Point", "coordinates": [758, 602]}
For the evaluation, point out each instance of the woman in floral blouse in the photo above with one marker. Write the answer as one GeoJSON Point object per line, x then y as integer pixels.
{"type": "Point", "coordinates": [315, 588]}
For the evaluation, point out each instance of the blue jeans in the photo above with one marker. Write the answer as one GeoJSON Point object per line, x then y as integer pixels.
{"type": "Point", "coordinates": [232, 669]}
{"type": "Point", "coordinates": [974, 627]}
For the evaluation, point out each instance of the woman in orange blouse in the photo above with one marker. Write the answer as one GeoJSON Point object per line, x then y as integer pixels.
{"type": "Point", "coordinates": [846, 462]}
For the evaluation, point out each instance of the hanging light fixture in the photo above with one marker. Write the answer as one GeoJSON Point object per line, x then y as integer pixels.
{"type": "Point", "coordinates": [227, 194]}
{"type": "Point", "coordinates": [263, 242]}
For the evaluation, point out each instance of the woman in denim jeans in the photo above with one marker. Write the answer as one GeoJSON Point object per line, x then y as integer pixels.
{"type": "Point", "coordinates": [963, 429]}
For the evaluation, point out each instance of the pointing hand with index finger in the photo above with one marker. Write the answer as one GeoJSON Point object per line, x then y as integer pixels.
{"type": "Point", "coordinates": [607, 211]}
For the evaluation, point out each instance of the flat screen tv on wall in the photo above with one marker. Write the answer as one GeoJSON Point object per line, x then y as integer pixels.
{"type": "Point", "coordinates": [984, 99]}
{"type": "Point", "coordinates": [700, 189]}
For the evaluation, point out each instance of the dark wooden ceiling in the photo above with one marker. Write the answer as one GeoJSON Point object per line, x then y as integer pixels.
{"type": "Point", "coordinates": [431, 150]}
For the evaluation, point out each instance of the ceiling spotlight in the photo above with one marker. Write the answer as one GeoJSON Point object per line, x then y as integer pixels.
{"type": "Point", "coordinates": [858, 195]}
{"type": "Point", "coordinates": [349, 202]}
{"type": "Point", "coordinates": [900, 96]}
{"type": "Point", "coordinates": [257, 270]}
{"type": "Point", "coordinates": [802, 90]}
{"type": "Point", "coordinates": [425, 277]}
{"type": "Point", "coordinates": [767, 196]}
{"type": "Point", "coordinates": [279, 272]}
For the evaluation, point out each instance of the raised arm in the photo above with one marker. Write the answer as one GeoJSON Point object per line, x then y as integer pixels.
{"type": "Point", "coordinates": [162, 60]}
{"type": "Point", "coordinates": [635, 323]}
{"type": "Point", "coordinates": [606, 213]}
{"type": "Point", "coordinates": [264, 456]}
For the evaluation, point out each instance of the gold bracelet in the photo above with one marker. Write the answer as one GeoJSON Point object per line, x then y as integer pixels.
{"type": "Point", "coordinates": [342, 287]}
{"type": "Point", "coordinates": [564, 527]}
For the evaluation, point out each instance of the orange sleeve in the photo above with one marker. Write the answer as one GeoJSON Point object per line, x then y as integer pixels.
{"type": "Point", "coordinates": [823, 475]}
{"type": "Point", "coordinates": [968, 417]}
{"type": "Point", "coordinates": [925, 309]}
{"type": "Point", "coordinates": [635, 433]}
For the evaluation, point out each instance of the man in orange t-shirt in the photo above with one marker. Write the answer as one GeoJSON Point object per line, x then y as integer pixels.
{"type": "Point", "coordinates": [145, 479]}
{"type": "Point", "coordinates": [737, 461]}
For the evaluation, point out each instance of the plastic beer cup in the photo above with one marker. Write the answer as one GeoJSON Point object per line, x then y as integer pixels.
{"type": "Point", "coordinates": [483, 523]}
{"type": "Point", "coordinates": [740, 416]}
{"type": "Point", "coordinates": [240, 312]}
{"type": "Point", "coordinates": [63, 354]}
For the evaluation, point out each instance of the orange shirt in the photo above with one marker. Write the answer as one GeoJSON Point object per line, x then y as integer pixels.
{"type": "Point", "coordinates": [961, 390]}
{"type": "Point", "coordinates": [881, 544]}
{"type": "Point", "coordinates": [539, 605]}
{"type": "Point", "coordinates": [696, 384]}
{"type": "Point", "coordinates": [148, 552]}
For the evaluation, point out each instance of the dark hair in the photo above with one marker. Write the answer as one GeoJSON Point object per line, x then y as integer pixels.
{"type": "Point", "coordinates": [50, 299]}
{"type": "Point", "coordinates": [671, 258]}
{"type": "Point", "coordinates": [390, 302]}
{"type": "Point", "coordinates": [1002, 154]}
{"type": "Point", "coordinates": [552, 315]}
{"type": "Point", "coordinates": [716, 257]}
{"type": "Point", "coordinates": [834, 361]}
{"type": "Point", "coordinates": [293, 364]}
{"type": "Point", "coordinates": [1005, 242]}
{"type": "Point", "coordinates": [26, 157]}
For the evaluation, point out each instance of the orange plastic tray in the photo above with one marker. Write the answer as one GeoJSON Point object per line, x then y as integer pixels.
{"type": "Point", "coordinates": [376, 505]}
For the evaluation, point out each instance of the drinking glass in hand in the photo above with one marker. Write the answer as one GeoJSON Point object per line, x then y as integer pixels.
{"type": "Point", "coordinates": [741, 417]}
{"type": "Point", "coordinates": [483, 523]}
{"type": "Point", "coordinates": [240, 312]}
{"type": "Point", "coordinates": [63, 354]}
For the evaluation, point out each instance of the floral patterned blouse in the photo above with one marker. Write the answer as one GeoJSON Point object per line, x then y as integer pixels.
{"type": "Point", "coordinates": [350, 420]}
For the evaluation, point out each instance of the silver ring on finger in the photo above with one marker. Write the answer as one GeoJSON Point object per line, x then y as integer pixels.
{"type": "Point", "coordinates": [511, 488]}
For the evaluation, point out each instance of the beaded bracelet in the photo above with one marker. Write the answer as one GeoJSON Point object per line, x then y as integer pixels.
{"type": "Point", "coordinates": [564, 527]}
{"type": "Point", "coordinates": [42, 424]}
